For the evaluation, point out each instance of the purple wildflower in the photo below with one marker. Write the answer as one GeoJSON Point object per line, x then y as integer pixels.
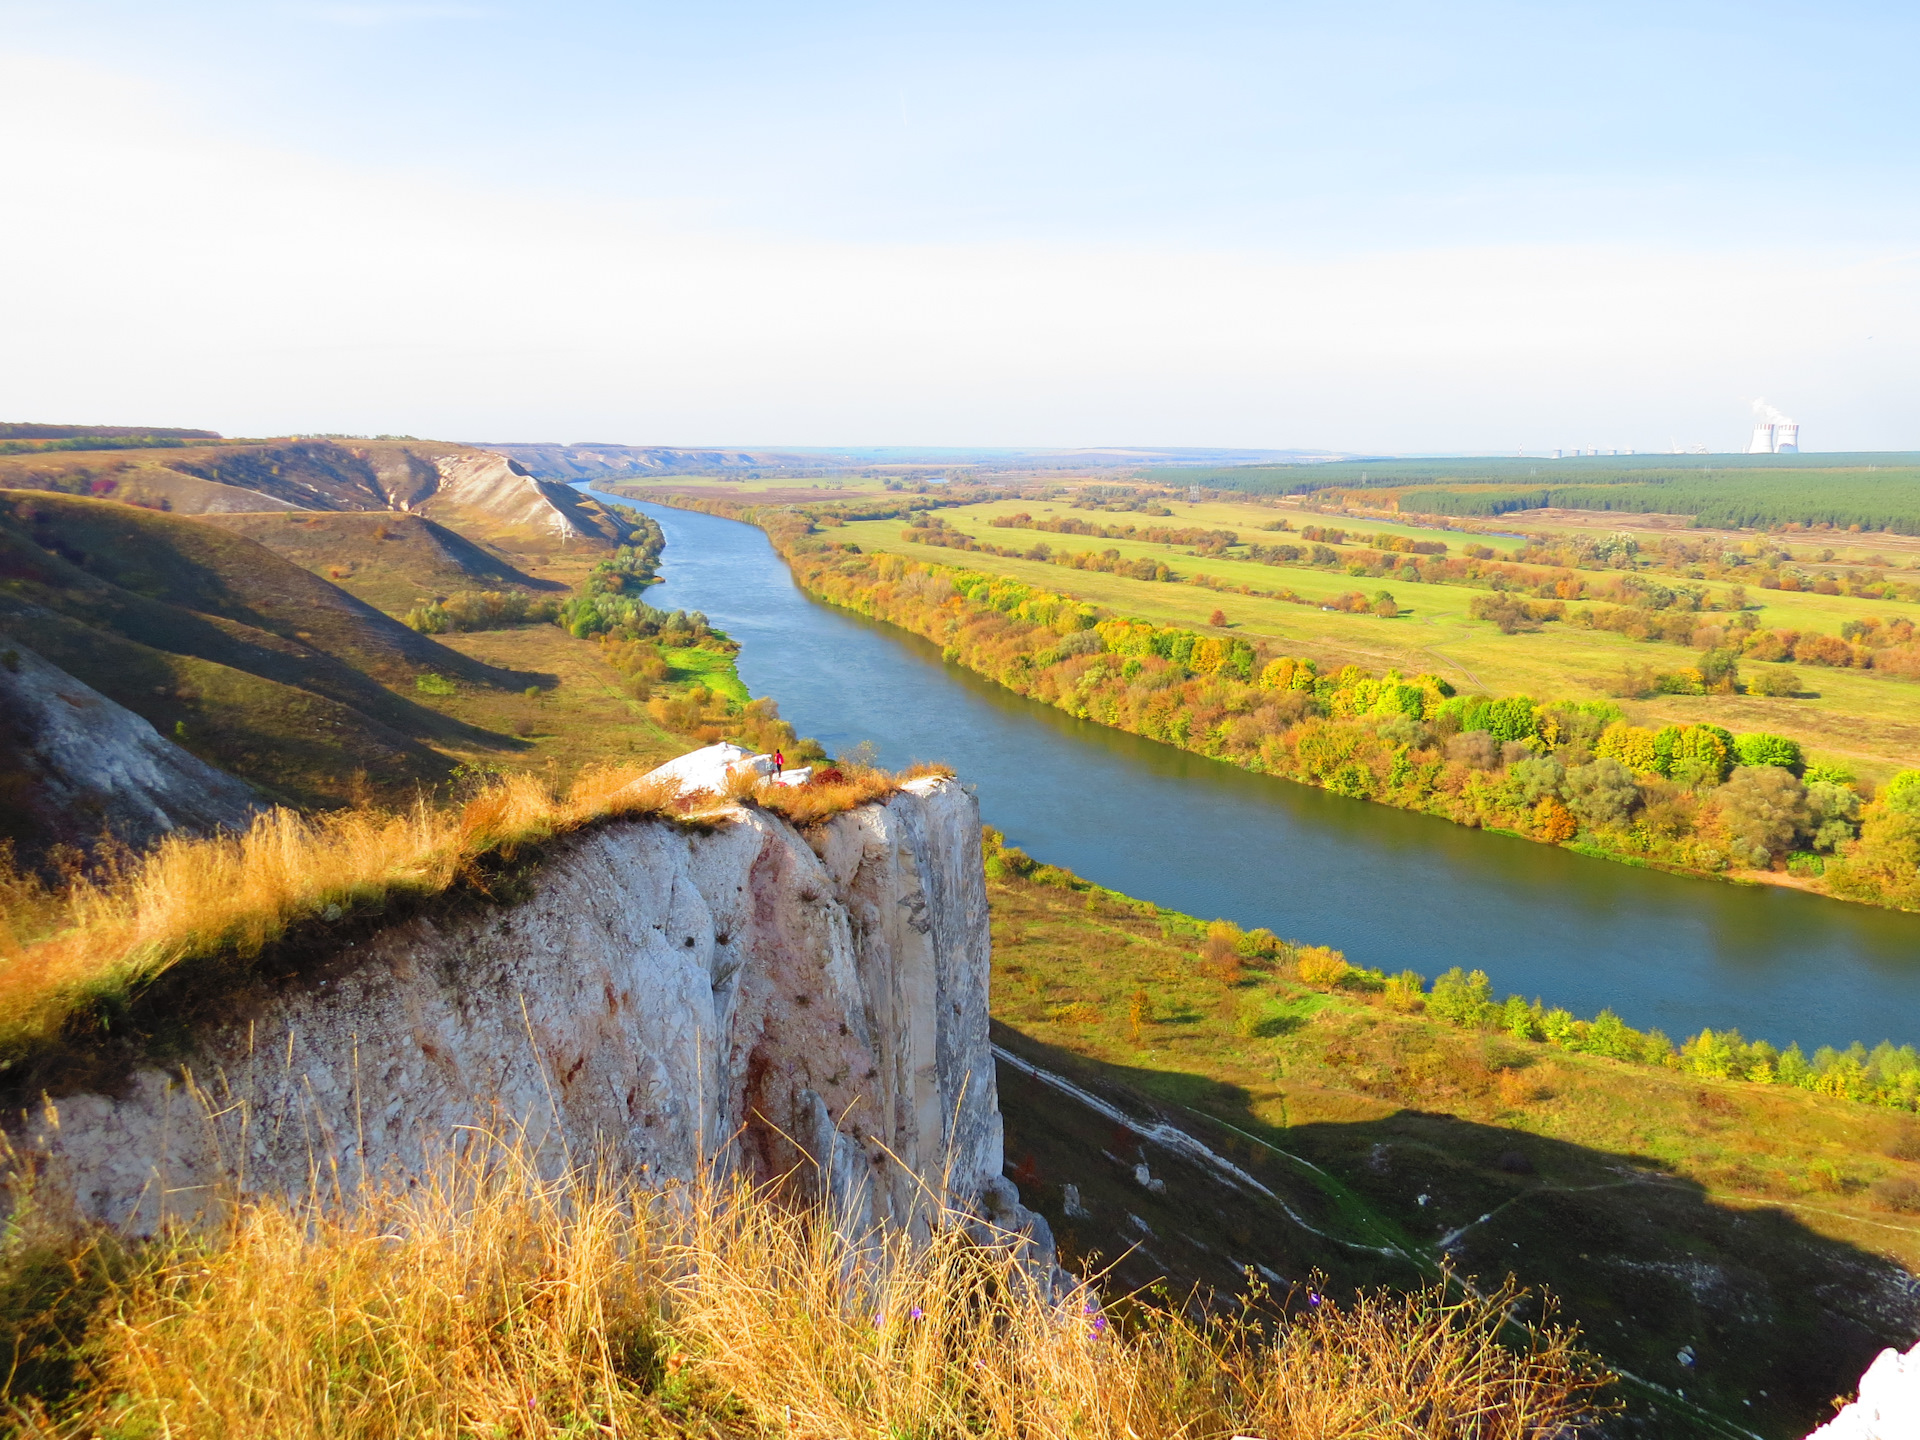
{"type": "Point", "coordinates": [916, 1313]}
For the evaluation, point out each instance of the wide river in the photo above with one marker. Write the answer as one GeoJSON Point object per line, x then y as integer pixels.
{"type": "Point", "coordinates": [1389, 888]}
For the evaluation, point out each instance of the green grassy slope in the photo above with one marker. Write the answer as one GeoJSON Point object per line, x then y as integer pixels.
{"type": "Point", "coordinates": [257, 665]}
{"type": "Point", "coordinates": [393, 562]}
{"type": "Point", "coordinates": [1763, 1227]}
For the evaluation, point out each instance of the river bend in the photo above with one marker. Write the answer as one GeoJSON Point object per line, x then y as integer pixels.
{"type": "Point", "coordinates": [1388, 887]}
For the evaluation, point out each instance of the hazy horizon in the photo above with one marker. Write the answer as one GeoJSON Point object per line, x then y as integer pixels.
{"type": "Point", "coordinates": [1379, 231]}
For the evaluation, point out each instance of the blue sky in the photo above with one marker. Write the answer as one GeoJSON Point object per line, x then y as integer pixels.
{"type": "Point", "coordinates": [1374, 227]}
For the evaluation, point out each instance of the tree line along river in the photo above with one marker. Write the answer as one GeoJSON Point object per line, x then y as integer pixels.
{"type": "Point", "coordinates": [1391, 888]}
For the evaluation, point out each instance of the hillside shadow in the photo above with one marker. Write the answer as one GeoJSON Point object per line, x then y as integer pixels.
{"type": "Point", "coordinates": [1776, 1317]}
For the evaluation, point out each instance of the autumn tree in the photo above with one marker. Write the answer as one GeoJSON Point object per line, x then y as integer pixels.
{"type": "Point", "coordinates": [1764, 808]}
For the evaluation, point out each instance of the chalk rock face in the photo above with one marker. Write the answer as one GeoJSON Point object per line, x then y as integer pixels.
{"type": "Point", "coordinates": [780, 1004]}
{"type": "Point", "coordinates": [1889, 1403]}
{"type": "Point", "coordinates": [89, 766]}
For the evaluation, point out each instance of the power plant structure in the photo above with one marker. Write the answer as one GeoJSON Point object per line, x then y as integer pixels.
{"type": "Point", "coordinates": [1774, 434]}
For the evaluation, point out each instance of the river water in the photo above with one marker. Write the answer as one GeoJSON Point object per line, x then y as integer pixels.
{"type": "Point", "coordinates": [1390, 888]}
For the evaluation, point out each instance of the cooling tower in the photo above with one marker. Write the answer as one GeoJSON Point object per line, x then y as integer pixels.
{"type": "Point", "coordinates": [1786, 437]}
{"type": "Point", "coordinates": [1762, 440]}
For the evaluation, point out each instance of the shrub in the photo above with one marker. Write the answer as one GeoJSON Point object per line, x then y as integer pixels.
{"type": "Point", "coordinates": [481, 610]}
{"type": "Point", "coordinates": [1773, 680]}
{"type": "Point", "coordinates": [1318, 966]}
{"type": "Point", "coordinates": [432, 684]}
{"type": "Point", "coordinates": [1139, 1015]}
{"type": "Point", "coordinates": [1896, 1193]}
{"type": "Point", "coordinates": [1405, 991]}
{"type": "Point", "coordinates": [1220, 952]}
{"type": "Point", "coordinates": [1463, 999]}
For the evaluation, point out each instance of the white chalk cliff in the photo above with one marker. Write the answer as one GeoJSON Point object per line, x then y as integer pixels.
{"type": "Point", "coordinates": [771, 1000]}
{"type": "Point", "coordinates": [1888, 1407]}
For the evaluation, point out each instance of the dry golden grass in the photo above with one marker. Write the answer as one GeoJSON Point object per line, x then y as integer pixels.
{"type": "Point", "coordinates": [108, 936]}
{"type": "Point", "coordinates": [72, 959]}
{"type": "Point", "coordinates": [836, 788]}
{"type": "Point", "coordinates": [488, 1301]}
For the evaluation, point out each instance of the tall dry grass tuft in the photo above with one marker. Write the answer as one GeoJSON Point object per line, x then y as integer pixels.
{"type": "Point", "coordinates": [489, 1301]}
{"type": "Point", "coordinates": [96, 945]}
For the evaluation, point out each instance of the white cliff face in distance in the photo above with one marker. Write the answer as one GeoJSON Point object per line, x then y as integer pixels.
{"type": "Point", "coordinates": [747, 995]}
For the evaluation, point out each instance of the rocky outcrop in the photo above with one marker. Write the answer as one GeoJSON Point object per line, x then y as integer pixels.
{"type": "Point", "coordinates": [458, 483]}
{"type": "Point", "coordinates": [813, 1007]}
{"type": "Point", "coordinates": [77, 766]}
{"type": "Point", "coordinates": [1888, 1407]}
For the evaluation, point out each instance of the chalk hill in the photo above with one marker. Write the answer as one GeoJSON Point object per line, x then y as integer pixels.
{"type": "Point", "coordinates": [75, 766]}
{"type": "Point", "coordinates": [480, 493]}
{"type": "Point", "coordinates": [255, 664]}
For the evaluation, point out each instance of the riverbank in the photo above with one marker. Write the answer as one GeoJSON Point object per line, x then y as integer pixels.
{"type": "Point", "coordinates": [1388, 739]}
{"type": "Point", "coordinates": [1666, 1208]}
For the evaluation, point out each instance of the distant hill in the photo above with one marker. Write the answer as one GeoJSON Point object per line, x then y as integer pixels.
{"type": "Point", "coordinates": [393, 562]}
{"type": "Point", "coordinates": [619, 462]}
{"type": "Point", "coordinates": [251, 662]}
{"type": "Point", "coordinates": [101, 432]}
{"type": "Point", "coordinates": [625, 462]}
{"type": "Point", "coordinates": [480, 493]}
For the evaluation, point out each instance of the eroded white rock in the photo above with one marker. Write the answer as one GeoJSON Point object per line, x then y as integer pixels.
{"type": "Point", "coordinates": [1889, 1403]}
{"type": "Point", "coordinates": [665, 996]}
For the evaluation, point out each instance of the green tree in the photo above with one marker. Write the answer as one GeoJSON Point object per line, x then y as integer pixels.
{"type": "Point", "coordinates": [1902, 793]}
{"type": "Point", "coordinates": [1763, 749]}
{"type": "Point", "coordinates": [1601, 793]}
{"type": "Point", "coordinates": [1833, 814]}
{"type": "Point", "coordinates": [1765, 809]}
{"type": "Point", "coordinates": [1533, 780]}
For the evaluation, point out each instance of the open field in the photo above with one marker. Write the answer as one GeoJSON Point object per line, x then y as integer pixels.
{"type": "Point", "coordinates": [1872, 491]}
{"type": "Point", "coordinates": [582, 712]}
{"type": "Point", "coordinates": [1869, 721]}
{"type": "Point", "coordinates": [1555, 768]}
{"type": "Point", "coordinates": [1662, 1208]}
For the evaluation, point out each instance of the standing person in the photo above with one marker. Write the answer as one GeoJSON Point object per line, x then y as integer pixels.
{"type": "Point", "coordinates": [779, 762]}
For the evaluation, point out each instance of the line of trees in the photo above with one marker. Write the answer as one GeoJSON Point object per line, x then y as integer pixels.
{"type": "Point", "coordinates": [1696, 798]}
{"type": "Point", "coordinates": [1889, 501]}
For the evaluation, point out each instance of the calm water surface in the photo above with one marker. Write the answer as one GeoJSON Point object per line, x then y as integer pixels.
{"type": "Point", "coordinates": [1390, 888]}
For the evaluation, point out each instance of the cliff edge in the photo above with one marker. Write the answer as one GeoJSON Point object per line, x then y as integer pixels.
{"type": "Point", "coordinates": [665, 996]}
